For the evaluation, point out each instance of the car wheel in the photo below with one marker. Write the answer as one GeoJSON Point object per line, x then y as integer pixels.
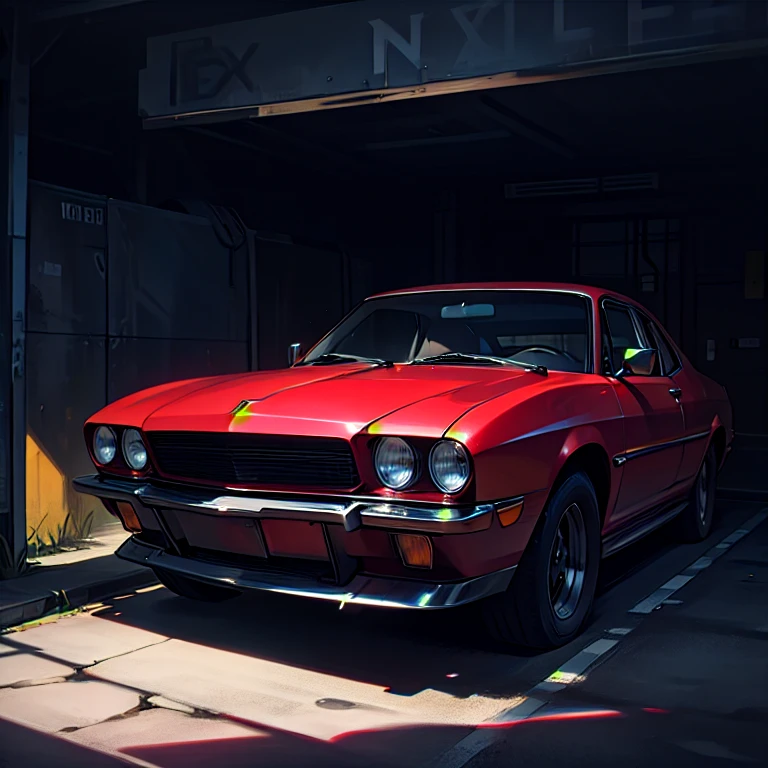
{"type": "Point", "coordinates": [193, 589]}
{"type": "Point", "coordinates": [550, 596]}
{"type": "Point", "coordinates": [696, 519]}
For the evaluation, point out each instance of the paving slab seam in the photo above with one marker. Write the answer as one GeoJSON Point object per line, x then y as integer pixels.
{"type": "Point", "coordinates": [24, 649]}
{"type": "Point", "coordinates": [574, 670]}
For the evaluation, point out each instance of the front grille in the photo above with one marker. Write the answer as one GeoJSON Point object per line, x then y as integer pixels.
{"type": "Point", "coordinates": [255, 460]}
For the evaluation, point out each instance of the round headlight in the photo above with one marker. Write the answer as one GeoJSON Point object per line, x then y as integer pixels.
{"type": "Point", "coordinates": [104, 445]}
{"type": "Point", "coordinates": [134, 450]}
{"type": "Point", "coordinates": [395, 463]}
{"type": "Point", "coordinates": [449, 466]}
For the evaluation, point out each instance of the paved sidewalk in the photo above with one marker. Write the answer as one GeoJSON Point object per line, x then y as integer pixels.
{"type": "Point", "coordinates": [47, 589]}
{"type": "Point", "coordinates": [269, 681]}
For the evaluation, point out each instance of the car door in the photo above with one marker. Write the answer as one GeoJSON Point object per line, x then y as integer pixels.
{"type": "Point", "coordinates": [652, 416]}
{"type": "Point", "coordinates": [697, 411]}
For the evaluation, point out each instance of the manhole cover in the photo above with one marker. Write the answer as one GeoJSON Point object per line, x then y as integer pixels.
{"type": "Point", "coordinates": [335, 704]}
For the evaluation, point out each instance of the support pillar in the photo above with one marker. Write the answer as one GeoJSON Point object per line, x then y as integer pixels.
{"type": "Point", "coordinates": [14, 124]}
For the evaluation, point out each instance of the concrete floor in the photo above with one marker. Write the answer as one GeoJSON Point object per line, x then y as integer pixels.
{"type": "Point", "coordinates": [274, 681]}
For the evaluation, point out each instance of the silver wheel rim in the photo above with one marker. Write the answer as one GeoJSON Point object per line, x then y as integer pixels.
{"type": "Point", "coordinates": [702, 493]}
{"type": "Point", "coordinates": [568, 563]}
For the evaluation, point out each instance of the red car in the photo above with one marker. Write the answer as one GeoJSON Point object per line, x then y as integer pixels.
{"type": "Point", "coordinates": [441, 445]}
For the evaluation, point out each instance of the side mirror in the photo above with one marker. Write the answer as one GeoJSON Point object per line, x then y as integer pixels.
{"type": "Point", "coordinates": [294, 353]}
{"type": "Point", "coordinates": [638, 362]}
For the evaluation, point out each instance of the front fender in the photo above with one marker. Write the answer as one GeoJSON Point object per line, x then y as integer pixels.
{"type": "Point", "coordinates": [586, 434]}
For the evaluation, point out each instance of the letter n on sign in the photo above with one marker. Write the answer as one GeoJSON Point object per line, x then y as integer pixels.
{"type": "Point", "coordinates": [754, 275]}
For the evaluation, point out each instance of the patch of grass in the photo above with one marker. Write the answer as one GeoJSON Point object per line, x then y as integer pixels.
{"type": "Point", "coordinates": [72, 534]}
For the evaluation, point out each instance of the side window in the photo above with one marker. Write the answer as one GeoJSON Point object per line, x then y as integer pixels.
{"type": "Point", "coordinates": [655, 338]}
{"type": "Point", "coordinates": [622, 333]}
{"type": "Point", "coordinates": [669, 358]}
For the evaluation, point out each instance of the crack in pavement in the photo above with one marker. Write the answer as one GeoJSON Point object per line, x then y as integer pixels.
{"type": "Point", "coordinates": [25, 649]}
{"type": "Point", "coordinates": [35, 682]}
{"type": "Point", "coordinates": [149, 701]}
{"type": "Point", "coordinates": [125, 653]}
{"type": "Point", "coordinates": [80, 673]}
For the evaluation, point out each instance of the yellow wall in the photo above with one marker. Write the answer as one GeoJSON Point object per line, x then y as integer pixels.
{"type": "Point", "coordinates": [50, 498]}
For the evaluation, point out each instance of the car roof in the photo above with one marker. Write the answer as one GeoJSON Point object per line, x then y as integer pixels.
{"type": "Point", "coordinates": [584, 290]}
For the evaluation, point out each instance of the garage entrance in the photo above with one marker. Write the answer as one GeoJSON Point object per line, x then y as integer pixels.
{"type": "Point", "coordinates": [426, 143]}
{"type": "Point", "coordinates": [649, 179]}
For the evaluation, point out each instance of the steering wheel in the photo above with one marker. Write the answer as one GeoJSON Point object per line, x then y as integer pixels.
{"type": "Point", "coordinates": [547, 350]}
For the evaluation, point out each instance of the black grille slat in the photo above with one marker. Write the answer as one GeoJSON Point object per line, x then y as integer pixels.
{"type": "Point", "coordinates": [284, 566]}
{"type": "Point", "coordinates": [245, 459]}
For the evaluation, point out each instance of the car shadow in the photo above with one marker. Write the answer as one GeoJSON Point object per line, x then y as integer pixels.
{"type": "Point", "coordinates": [23, 746]}
{"type": "Point", "coordinates": [404, 652]}
{"type": "Point", "coordinates": [602, 737]}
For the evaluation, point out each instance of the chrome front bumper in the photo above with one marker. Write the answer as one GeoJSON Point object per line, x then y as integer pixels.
{"type": "Point", "coordinates": [352, 513]}
{"type": "Point", "coordinates": [154, 502]}
{"type": "Point", "coordinates": [362, 590]}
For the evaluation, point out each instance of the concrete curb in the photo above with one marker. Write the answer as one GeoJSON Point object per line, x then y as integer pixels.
{"type": "Point", "coordinates": [59, 601]}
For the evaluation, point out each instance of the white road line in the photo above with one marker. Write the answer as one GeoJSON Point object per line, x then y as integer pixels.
{"type": "Point", "coordinates": [473, 744]}
{"type": "Point", "coordinates": [469, 747]}
{"type": "Point", "coordinates": [573, 669]}
{"type": "Point", "coordinates": [655, 599]}
{"type": "Point", "coordinates": [520, 711]}
{"type": "Point", "coordinates": [663, 593]}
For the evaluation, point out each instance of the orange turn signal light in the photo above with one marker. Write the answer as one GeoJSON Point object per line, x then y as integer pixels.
{"type": "Point", "coordinates": [510, 514]}
{"type": "Point", "coordinates": [416, 551]}
{"type": "Point", "coordinates": [128, 517]}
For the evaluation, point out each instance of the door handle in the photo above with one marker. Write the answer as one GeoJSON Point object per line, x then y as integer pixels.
{"type": "Point", "coordinates": [676, 392]}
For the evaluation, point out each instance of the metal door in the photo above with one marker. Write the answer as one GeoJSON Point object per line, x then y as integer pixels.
{"type": "Point", "coordinates": [67, 262]}
{"type": "Point", "coordinates": [652, 419]}
{"type": "Point", "coordinates": [171, 278]}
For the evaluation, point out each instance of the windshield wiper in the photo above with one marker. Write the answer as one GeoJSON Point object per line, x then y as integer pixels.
{"type": "Point", "coordinates": [464, 357]}
{"type": "Point", "coordinates": [329, 358]}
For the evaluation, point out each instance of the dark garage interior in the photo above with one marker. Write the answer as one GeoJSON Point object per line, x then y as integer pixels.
{"type": "Point", "coordinates": [196, 188]}
{"type": "Point", "coordinates": [649, 182]}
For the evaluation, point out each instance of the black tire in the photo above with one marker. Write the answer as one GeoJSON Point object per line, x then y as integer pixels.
{"type": "Point", "coordinates": [193, 589]}
{"type": "Point", "coordinates": [696, 519]}
{"type": "Point", "coordinates": [526, 614]}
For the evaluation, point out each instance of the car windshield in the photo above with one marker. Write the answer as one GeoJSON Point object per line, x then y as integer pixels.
{"type": "Point", "coordinates": [545, 329]}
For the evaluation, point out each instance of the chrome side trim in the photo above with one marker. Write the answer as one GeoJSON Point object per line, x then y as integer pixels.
{"type": "Point", "coordinates": [351, 513]}
{"type": "Point", "coordinates": [363, 590]}
{"type": "Point", "coordinates": [636, 453]}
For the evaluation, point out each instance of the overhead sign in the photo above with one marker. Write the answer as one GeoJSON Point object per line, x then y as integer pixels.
{"type": "Point", "coordinates": [374, 46]}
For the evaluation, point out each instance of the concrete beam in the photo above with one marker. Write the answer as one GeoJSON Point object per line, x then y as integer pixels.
{"type": "Point", "coordinates": [522, 127]}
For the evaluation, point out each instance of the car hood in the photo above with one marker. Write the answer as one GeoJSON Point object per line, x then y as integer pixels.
{"type": "Point", "coordinates": [337, 401]}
